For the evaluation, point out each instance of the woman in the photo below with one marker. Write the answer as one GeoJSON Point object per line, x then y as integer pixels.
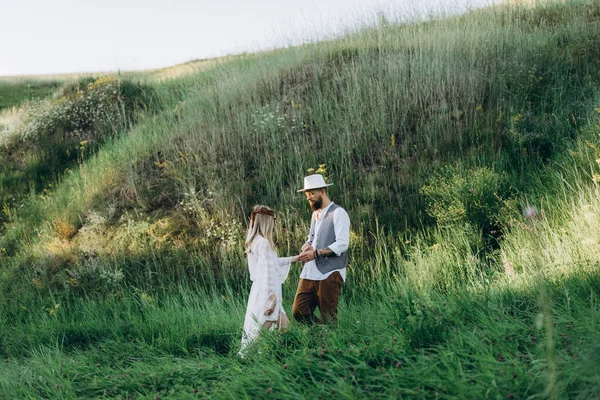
{"type": "Point", "coordinates": [267, 273]}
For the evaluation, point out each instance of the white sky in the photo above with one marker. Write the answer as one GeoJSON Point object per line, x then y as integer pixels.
{"type": "Point", "coordinates": [56, 36]}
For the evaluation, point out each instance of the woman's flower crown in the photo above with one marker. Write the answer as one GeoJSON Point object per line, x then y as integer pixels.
{"type": "Point", "coordinates": [263, 211]}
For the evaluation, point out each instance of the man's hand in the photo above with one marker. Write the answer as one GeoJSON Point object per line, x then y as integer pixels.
{"type": "Point", "coordinates": [307, 255]}
{"type": "Point", "coordinates": [307, 247]}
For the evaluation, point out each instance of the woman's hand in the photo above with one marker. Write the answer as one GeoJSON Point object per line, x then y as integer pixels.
{"type": "Point", "coordinates": [269, 311]}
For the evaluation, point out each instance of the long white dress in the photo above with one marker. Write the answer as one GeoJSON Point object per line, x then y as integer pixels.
{"type": "Point", "coordinates": [267, 273]}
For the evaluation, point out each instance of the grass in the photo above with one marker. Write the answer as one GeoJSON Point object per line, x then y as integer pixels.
{"type": "Point", "coordinates": [14, 92]}
{"type": "Point", "coordinates": [474, 344]}
{"type": "Point", "coordinates": [125, 276]}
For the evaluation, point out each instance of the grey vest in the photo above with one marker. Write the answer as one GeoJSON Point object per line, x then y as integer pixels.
{"type": "Point", "coordinates": [331, 262]}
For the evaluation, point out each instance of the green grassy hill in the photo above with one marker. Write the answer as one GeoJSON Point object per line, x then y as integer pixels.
{"type": "Point", "coordinates": [466, 150]}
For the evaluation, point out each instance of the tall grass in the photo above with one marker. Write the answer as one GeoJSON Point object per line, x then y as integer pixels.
{"type": "Point", "coordinates": [469, 344]}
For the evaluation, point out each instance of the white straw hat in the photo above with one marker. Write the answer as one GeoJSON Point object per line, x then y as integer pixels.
{"type": "Point", "coordinates": [315, 181]}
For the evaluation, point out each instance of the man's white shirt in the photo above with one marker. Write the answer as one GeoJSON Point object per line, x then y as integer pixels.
{"type": "Point", "coordinates": [341, 225]}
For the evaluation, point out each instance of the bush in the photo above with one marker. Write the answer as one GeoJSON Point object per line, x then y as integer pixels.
{"type": "Point", "coordinates": [91, 113]}
{"type": "Point", "coordinates": [474, 196]}
{"type": "Point", "coordinates": [55, 133]}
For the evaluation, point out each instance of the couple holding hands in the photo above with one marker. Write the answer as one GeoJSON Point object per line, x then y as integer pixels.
{"type": "Point", "coordinates": [325, 257]}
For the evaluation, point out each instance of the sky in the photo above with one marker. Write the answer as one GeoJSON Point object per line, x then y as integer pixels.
{"type": "Point", "coordinates": [65, 36]}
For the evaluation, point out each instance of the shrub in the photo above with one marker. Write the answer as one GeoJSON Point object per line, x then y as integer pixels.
{"type": "Point", "coordinates": [52, 134]}
{"type": "Point", "coordinates": [474, 196]}
{"type": "Point", "coordinates": [528, 135]}
{"type": "Point", "coordinates": [76, 113]}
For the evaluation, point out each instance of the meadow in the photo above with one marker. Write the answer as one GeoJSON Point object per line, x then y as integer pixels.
{"type": "Point", "coordinates": [465, 148]}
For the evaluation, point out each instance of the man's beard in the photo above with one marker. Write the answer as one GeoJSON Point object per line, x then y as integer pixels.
{"type": "Point", "coordinates": [316, 204]}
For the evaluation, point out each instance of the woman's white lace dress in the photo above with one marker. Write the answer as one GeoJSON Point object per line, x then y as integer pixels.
{"type": "Point", "coordinates": [267, 273]}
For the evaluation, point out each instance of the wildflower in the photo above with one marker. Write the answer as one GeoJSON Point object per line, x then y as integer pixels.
{"type": "Point", "coordinates": [73, 282]}
{"type": "Point", "coordinates": [146, 298]}
{"type": "Point", "coordinates": [53, 310]}
{"type": "Point", "coordinates": [321, 170]}
{"type": "Point", "coordinates": [530, 212]}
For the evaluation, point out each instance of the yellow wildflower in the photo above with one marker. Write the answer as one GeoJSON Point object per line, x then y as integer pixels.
{"type": "Point", "coordinates": [53, 310]}
{"type": "Point", "coordinates": [73, 282]}
{"type": "Point", "coordinates": [322, 169]}
{"type": "Point", "coordinates": [146, 298]}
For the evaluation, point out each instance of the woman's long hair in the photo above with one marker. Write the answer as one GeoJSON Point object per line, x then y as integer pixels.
{"type": "Point", "coordinates": [262, 221]}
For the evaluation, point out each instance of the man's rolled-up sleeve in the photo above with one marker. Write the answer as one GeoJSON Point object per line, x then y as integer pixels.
{"type": "Point", "coordinates": [341, 225]}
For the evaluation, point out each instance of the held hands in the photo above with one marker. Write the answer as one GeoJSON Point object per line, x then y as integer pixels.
{"type": "Point", "coordinates": [307, 246]}
{"type": "Point", "coordinates": [307, 255]}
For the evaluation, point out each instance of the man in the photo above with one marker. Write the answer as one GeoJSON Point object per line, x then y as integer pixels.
{"type": "Point", "coordinates": [325, 255]}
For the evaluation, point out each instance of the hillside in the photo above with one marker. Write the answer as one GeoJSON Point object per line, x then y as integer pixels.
{"type": "Point", "coordinates": [466, 150]}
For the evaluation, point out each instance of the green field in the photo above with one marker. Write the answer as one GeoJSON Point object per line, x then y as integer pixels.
{"type": "Point", "coordinates": [466, 150]}
{"type": "Point", "coordinates": [14, 92]}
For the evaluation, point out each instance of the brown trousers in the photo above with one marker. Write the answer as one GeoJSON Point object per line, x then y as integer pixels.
{"type": "Point", "coordinates": [324, 294]}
